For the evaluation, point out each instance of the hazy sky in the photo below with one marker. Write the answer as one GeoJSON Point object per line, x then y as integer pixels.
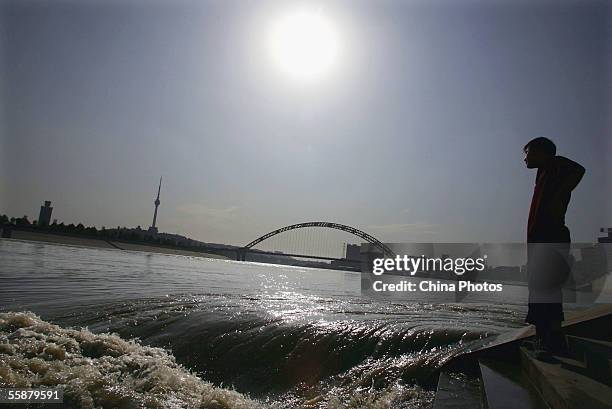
{"type": "Point", "coordinates": [414, 134]}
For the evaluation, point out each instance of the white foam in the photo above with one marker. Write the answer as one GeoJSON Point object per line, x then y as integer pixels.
{"type": "Point", "coordinates": [101, 369]}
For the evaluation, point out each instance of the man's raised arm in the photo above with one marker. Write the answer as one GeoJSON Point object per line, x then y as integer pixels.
{"type": "Point", "coordinates": [571, 173]}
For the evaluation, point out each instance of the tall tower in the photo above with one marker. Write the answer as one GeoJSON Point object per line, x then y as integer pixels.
{"type": "Point", "coordinates": [153, 229]}
{"type": "Point", "coordinates": [44, 217]}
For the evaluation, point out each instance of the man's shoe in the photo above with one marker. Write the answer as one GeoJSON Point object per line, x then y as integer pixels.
{"type": "Point", "coordinates": [546, 356]}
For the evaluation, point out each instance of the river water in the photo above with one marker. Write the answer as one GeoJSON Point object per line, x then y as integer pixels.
{"type": "Point", "coordinates": [131, 329]}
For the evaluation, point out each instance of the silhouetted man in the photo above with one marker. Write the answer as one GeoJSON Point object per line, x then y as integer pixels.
{"type": "Point", "coordinates": [547, 264]}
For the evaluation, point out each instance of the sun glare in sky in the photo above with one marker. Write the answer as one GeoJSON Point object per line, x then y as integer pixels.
{"type": "Point", "coordinates": [303, 45]}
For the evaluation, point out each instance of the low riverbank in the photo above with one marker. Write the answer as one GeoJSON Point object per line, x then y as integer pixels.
{"type": "Point", "coordinates": [88, 242]}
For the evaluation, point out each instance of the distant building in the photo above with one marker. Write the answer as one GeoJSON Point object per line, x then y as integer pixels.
{"type": "Point", "coordinates": [605, 239]}
{"type": "Point", "coordinates": [606, 243]}
{"type": "Point", "coordinates": [44, 218]}
{"type": "Point", "coordinates": [353, 251]}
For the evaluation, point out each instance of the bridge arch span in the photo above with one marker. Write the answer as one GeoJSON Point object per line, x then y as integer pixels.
{"type": "Point", "coordinates": [365, 236]}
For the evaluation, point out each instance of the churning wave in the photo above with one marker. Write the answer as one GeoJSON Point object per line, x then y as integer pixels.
{"type": "Point", "coordinates": [127, 330]}
{"type": "Point", "coordinates": [215, 352]}
{"type": "Point", "coordinates": [101, 370]}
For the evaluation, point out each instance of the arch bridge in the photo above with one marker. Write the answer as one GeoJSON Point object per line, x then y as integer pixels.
{"type": "Point", "coordinates": [330, 225]}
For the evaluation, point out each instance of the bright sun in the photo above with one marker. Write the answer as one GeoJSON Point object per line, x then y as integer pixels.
{"type": "Point", "coordinates": [304, 45]}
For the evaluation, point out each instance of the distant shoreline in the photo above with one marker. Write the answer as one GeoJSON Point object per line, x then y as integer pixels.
{"type": "Point", "coordinates": [106, 244]}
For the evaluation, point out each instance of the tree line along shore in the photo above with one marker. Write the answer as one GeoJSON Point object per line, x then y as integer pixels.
{"type": "Point", "coordinates": [120, 238]}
